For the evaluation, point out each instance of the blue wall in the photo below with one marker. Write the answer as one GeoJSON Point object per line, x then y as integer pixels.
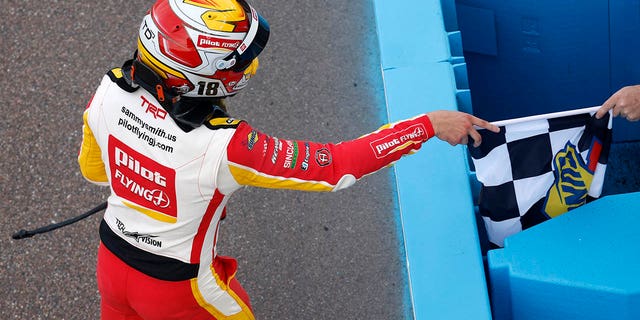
{"type": "Point", "coordinates": [498, 60]}
{"type": "Point", "coordinates": [532, 57]}
{"type": "Point", "coordinates": [423, 70]}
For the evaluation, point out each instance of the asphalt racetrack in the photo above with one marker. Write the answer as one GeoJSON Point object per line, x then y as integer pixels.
{"type": "Point", "coordinates": [301, 255]}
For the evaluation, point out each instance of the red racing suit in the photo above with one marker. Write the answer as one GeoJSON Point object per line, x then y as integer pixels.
{"type": "Point", "coordinates": [169, 187]}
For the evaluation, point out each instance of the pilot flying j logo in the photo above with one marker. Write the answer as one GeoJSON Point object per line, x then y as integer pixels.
{"type": "Point", "coordinates": [398, 140]}
{"type": "Point", "coordinates": [141, 182]}
{"type": "Point", "coordinates": [208, 42]}
{"type": "Point", "coordinates": [572, 181]}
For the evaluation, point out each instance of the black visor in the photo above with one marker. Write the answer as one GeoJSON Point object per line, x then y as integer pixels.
{"type": "Point", "coordinates": [255, 41]}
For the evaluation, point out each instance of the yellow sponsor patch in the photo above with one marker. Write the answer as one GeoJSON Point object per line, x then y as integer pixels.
{"type": "Point", "coordinates": [224, 122]}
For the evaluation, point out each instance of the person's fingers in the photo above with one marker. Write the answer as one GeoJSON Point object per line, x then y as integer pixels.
{"type": "Point", "coordinates": [618, 111]}
{"type": "Point", "coordinates": [606, 106]}
{"type": "Point", "coordinates": [484, 124]}
{"type": "Point", "coordinates": [463, 140]}
{"type": "Point", "coordinates": [609, 104]}
{"type": "Point", "coordinates": [602, 111]}
{"type": "Point", "coordinates": [477, 138]}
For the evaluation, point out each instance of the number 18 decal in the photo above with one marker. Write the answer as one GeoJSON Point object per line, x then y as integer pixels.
{"type": "Point", "coordinates": [208, 88]}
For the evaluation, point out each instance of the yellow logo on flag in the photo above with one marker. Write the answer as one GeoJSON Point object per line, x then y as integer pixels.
{"type": "Point", "coordinates": [572, 181]}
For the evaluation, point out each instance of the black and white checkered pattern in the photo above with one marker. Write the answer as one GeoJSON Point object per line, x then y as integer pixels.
{"type": "Point", "coordinates": [515, 168]}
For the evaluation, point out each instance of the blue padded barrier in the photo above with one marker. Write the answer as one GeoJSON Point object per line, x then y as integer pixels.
{"type": "Point", "coordinates": [521, 58]}
{"type": "Point", "coordinates": [444, 259]}
{"type": "Point", "coordinates": [455, 45]}
{"type": "Point", "coordinates": [410, 32]}
{"type": "Point", "coordinates": [581, 265]}
{"type": "Point", "coordinates": [423, 70]}
{"type": "Point", "coordinates": [463, 97]}
{"type": "Point", "coordinates": [624, 26]}
{"type": "Point", "coordinates": [449, 15]}
{"type": "Point", "coordinates": [460, 72]}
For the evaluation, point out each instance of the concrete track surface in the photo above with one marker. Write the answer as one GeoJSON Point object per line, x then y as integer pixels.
{"type": "Point", "coordinates": [301, 255]}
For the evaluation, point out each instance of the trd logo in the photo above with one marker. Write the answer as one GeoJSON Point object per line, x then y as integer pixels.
{"type": "Point", "coordinates": [157, 113]}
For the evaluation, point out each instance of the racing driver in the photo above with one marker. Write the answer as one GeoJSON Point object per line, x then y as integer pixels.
{"type": "Point", "coordinates": [158, 133]}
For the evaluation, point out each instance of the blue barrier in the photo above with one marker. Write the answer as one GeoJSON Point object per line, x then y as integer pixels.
{"type": "Point", "coordinates": [410, 32]}
{"type": "Point", "coordinates": [423, 70]}
{"type": "Point", "coordinates": [444, 258]}
{"type": "Point", "coordinates": [581, 265]}
{"type": "Point", "coordinates": [483, 57]}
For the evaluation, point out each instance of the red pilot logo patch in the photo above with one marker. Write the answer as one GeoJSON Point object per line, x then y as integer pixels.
{"type": "Point", "coordinates": [142, 183]}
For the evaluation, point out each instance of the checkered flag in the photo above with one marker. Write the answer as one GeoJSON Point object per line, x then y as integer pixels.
{"type": "Point", "coordinates": [539, 167]}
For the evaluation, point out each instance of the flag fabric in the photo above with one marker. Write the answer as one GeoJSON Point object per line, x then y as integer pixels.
{"type": "Point", "coordinates": [539, 167]}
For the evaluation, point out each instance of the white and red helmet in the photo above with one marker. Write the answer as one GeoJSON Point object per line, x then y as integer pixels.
{"type": "Point", "coordinates": [202, 48]}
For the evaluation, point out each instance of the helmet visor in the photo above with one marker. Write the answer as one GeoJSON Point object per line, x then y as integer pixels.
{"type": "Point", "coordinates": [252, 45]}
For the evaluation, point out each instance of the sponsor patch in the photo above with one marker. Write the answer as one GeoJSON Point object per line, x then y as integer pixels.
{"type": "Point", "coordinates": [392, 142]}
{"type": "Point", "coordinates": [138, 237]}
{"type": "Point", "coordinates": [277, 146]}
{"type": "Point", "coordinates": [252, 138]}
{"type": "Point", "coordinates": [291, 154]}
{"type": "Point", "coordinates": [141, 180]}
{"type": "Point", "coordinates": [207, 42]}
{"type": "Point", "coordinates": [305, 162]}
{"type": "Point", "coordinates": [155, 111]}
{"type": "Point", "coordinates": [323, 157]}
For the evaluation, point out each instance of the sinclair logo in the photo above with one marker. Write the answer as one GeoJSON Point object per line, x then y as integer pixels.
{"type": "Point", "coordinates": [146, 185]}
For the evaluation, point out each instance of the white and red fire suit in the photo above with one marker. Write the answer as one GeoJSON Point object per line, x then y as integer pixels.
{"type": "Point", "coordinates": [169, 187]}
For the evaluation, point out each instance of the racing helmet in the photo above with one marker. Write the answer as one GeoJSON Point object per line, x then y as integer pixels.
{"type": "Point", "coordinates": [202, 48]}
{"type": "Point", "coordinates": [191, 54]}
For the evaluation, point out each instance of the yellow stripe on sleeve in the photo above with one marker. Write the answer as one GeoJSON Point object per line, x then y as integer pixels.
{"type": "Point", "coordinates": [251, 177]}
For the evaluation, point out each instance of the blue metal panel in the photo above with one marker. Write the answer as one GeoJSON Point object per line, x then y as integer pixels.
{"type": "Point", "coordinates": [532, 57]}
{"type": "Point", "coordinates": [625, 68]}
